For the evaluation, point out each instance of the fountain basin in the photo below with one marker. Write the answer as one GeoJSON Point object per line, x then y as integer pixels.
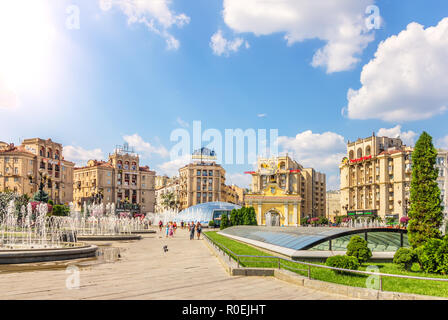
{"type": "Point", "coordinates": [43, 255]}
{"type": "Point", "coordinates": [112, 237]}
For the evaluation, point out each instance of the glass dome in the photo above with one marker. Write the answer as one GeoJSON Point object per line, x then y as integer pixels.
{"type": "Point", "coordinates": [205, 212]}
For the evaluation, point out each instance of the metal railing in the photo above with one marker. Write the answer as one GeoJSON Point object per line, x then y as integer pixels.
{"type": "Point", "coordinates": [278, 260]}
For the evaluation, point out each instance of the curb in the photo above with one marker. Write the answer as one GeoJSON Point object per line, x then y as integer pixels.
{"type": "Point", "coordinates": [293, 278]}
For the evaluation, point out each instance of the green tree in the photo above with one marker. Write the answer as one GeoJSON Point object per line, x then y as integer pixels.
{"type": "Point", "coordinates": [357, 247]}
{"type": "Point", "coordinates": [234, 218]}
{"type": "Point", "coordinates": [169, 201]}
{"type": "Point", "coordinates": [41, 196]}
{"type": "Point", "coordinates": [224, 222]}
{"type": "Point", "coordinates": [426, 211]}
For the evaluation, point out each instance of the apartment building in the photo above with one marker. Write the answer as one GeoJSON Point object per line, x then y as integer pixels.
{"type": "Point", "coordinates": [21, 168]}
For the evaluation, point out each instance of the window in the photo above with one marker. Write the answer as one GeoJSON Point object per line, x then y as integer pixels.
{"type": "Point", "coordinates": [16, 160]}
{"type": "Point", "coordinates": [199, 172]}
{"type": "Point", "coordinates": [143, 185]}
{"type": "Point", "coordinates": [210, 173]}
{"type": "Point", "coordinates": [204, 173]}
{"type": "Point", "coordinates": [16, 179]}
{"type": "Point", "coordinates": [108, 181]}
{"type": "Point", "coordinates": [109, 174]}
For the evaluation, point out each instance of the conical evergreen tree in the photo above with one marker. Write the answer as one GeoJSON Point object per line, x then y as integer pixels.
{"type": "Point", "coordinates": [426, 212]}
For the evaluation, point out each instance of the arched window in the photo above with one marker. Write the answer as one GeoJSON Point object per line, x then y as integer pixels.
{"type": "Point", "coordinates": [351, 155]}
{"type": "Point", "coordinates": [49, 153]}
{"type": "Point", "coordinates": [368, 151]}
{"type": "Point", "coordinates": [56, 155]}
{"type": "Point", "coordinates": [42, 152]}
{"type": "Point", "coordinates": [282, 165]}
{"type": "Point", "coordinates": [119, 164]}
{"type": "Point", "coordinates": [126, 165]}
{"type": "Point", "coordinates": [359, 153]}
{"type": "Point", "coordinates": [134, 165]}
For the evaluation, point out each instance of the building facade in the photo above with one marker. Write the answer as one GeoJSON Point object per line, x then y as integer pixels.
{"type": "Point", "coordinates": [201, 182]}
{"type": "Point", "coordinates": [442, 165]}
{"type": "Point", "coordinates": [21, 168]}
{"type": "Point", "coordinates": [120, 180]}
{"type": "Point", "coordinates": [166, 185]}
{"type": "Point", "coordinates": [376, 178]}
{"type": "Point", "coordinates": [283, 192]}
{"type": "Point", "coordinates": [333, 205]}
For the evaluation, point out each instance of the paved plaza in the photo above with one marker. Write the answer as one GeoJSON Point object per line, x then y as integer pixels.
{"type": "Point", "coordinates": [187, 271]}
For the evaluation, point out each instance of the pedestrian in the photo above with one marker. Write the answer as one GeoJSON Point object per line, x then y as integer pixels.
{"type": "Point", "coordinates": [198, 229]}
{"type": "Point", "coordinates": [171, 230]}
{"type": "Point", "coordinates": [174, 227]}
{"type": "Point", "coordinates": [167, 230]}
{"type": "Point", "coordinates": [182, 224]}
{"type": "Point", "coordinates": [191, 227]}
{"type": "Point", "coordinates": [160, 225]}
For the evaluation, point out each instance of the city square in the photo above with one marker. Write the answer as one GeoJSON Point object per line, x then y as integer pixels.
{"type": "Point", "coordinates": [233, 152]}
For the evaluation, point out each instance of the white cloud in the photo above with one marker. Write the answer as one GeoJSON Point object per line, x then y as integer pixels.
{"type": "Point", "coordinates": [321, 151]}
{"type": "Point", "coordinates": [8, 98]}
{"type": "Point", "coordinates": [261, 115]}
{"type": "Point", "coordinates": [341, 24]}
{"type": "Point", "coordinates": [407, 137]}
{"type": "Point", "coordinates": [407, 80]}
{"type": "Point", "coordinates": [171, 168]}
{"type": "Point", "coordinates": [442, 142]}
{"type": "Point", "coordinates": [80, 156]}
{"type": "Point", "coordinates": [222, 46]}
{"type": "Point", "coordinates": [156, 15]}
{"type": "Point", "coordinates": [333, 182]}
{"type": "Point", "coordinates": [145, 147]}
{"type": "Point", "coordinates": [182, 122]}
{"type": "Point", "coordinates": [240, 179]}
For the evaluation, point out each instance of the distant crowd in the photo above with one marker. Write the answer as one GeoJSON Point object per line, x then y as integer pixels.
{"type": "Point", "coordinates": [171, 227]}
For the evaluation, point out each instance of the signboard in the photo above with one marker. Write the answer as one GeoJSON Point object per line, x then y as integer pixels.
{"type": "Point", "coordinates": [268, 167]}
{"type": "Point", "coordinates": [360, 213]}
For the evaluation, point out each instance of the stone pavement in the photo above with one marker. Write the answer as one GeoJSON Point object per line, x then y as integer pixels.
{"type": "Point", "coordinates": [187, 271]}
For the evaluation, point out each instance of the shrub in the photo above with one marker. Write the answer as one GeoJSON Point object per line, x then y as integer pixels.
{"type": "Point", "coordinates": [357, 247]}
{"type": "Point", "coordinates": [211, 224]}
{"type": "Point", "coordinates": [433, 256]}
{"type": "Point", "coordinates": [404, 258]}
{"type": "Point", "coordinates": [343, 262]}
{"type": "Point", "coordinates": [224, 222]}
{"type": "Point", "coordinates": [61, 210]}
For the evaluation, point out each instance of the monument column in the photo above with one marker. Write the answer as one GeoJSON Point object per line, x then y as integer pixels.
{"type": "Point", "coordinates": [259, 220]}
{"type": "Point", "coordinates": [286, 213]}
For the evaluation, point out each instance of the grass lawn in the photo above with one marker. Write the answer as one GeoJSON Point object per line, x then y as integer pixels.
{"type": "Point", "coordinates": [433, 288]}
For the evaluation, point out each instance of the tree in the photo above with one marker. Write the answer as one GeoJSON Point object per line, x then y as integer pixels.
{"type": "Point", "coordinates": [357, 247]}
{"type": "Point", "coordinates": [426, 211]}
{"type": "Point", "coordinates": [41, 196]}
{"type": "Point", "coordinates": [224, 222]}
{"type": "Point", "coordinates": [169, 201]}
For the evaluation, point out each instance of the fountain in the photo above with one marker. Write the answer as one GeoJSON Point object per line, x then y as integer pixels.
{"type": "Point", "coordinates": [100, 223]}
{"type": "Point", "coordinates": [32, 236]}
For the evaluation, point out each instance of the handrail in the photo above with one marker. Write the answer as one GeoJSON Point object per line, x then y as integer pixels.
{"type": "Point", "coordinates": [379, 274]}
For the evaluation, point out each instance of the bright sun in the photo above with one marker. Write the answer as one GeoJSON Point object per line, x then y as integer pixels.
{"type": "Point", "coordinates": [26, 41]}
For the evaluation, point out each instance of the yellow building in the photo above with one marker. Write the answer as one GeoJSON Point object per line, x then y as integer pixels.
{"type": "Point", "coordinates": [376, 178]}
{"type": "Point", "coordinates": [333, 205]}
{"type": "Point", "coordinates": [283, 192]}
{"type": "Point", "coordinates": [120, 180]}
{"type": "Point", "coordinates": [21, 167]}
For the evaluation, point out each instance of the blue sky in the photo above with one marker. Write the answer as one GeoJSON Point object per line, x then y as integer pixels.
{"type": "Point", "coordinates": [130, 72]}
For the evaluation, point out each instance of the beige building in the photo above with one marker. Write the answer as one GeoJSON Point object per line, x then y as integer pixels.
{"type": "Point", "coordinates": [333, 206]}
{"type": "Point", "coordinates": [376, 177]}
{"type": "Point", "coordinates": [120, 180]}
{"type": "Point", "coordinates": [442, 165]}
{"type": "Point", "coordinates": [201, 182]}
{"type": "Point", "coordinates": [283, 192]}
{"type": "Point", "coordinates": [21, 166]}
{"type": "Point", "coordinates": [165, 185]}
{"type": "Point", "coordinates": [234, 194]}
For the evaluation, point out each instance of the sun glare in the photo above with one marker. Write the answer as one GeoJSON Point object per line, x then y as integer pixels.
{"type": "Point", "coordinates": [26, 39]}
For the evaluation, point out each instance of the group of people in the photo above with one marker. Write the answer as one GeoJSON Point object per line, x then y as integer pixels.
{"type": "Point", "coordinates": [170, 228]}
{"type": "Point", "coordinates": [192, 227]}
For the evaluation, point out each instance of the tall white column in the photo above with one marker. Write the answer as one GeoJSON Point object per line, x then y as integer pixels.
{"type": "Point", "coordinates": [259, 221]}
{"type": "Point", "coordinates": [295, 215]}
{"type": "Point", "coordinates": [286, 215]}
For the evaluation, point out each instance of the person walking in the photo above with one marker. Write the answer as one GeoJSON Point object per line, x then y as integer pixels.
{"type": "Point", "coordinates": [171, 230]}
{"type": "Point", "coordinates": [198, 229]}
{"type": "Point", "coordinates": [160, 225]}
{"type": "Point", "coordinates": [167, 230]}
{"type": "Point", "coordinates": [174, 227]}
{"type": "Point", "coordinates": [191, 227]}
